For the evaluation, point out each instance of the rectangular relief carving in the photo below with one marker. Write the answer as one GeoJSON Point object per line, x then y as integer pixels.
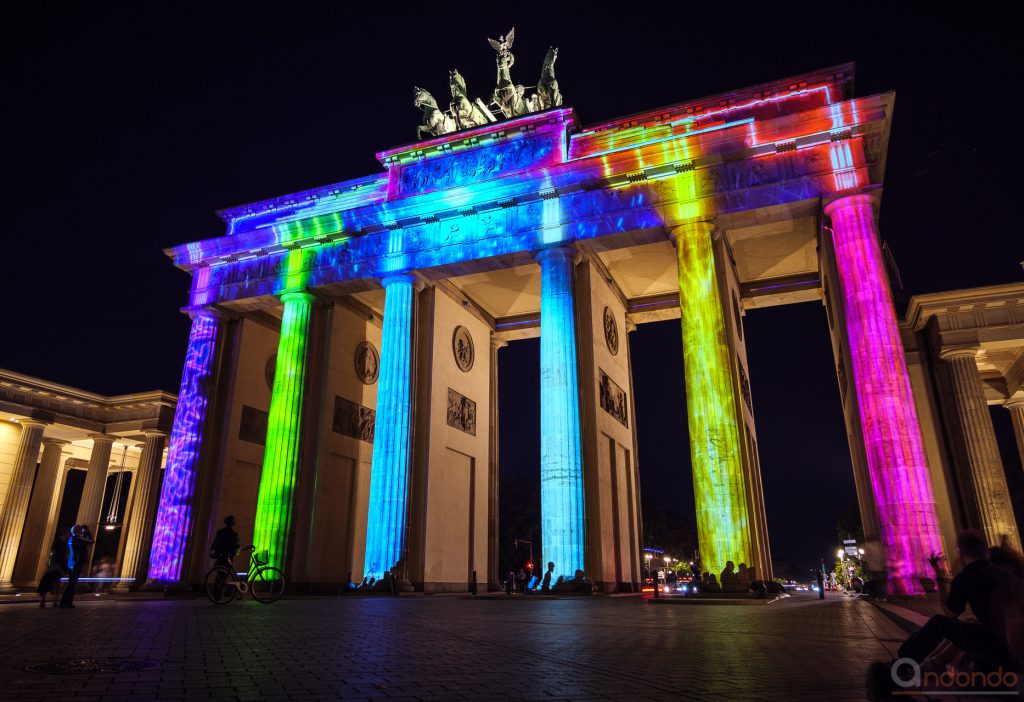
{"type": "Point", "coordinates": [352, 419]}
{"type": "Point", "coordinates": [613, 399]}
{"type": "Point", "coordinates": [253, 427]}
{"type": "Point", "coordinates": [461, 412]}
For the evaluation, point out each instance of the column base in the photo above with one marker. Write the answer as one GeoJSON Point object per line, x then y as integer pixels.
{"type": "Point", "coordinates": [172, 589]}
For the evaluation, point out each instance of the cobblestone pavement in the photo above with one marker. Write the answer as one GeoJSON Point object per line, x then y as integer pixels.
{"type": "Point", "coordinates": [439, 648]}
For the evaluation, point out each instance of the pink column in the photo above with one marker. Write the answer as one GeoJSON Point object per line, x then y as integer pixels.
{"type": "Point", "coordinates": [896, 458]}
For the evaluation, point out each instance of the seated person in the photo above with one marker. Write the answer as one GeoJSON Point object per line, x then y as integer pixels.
{"type": "Point", "coordinates": [988, 589]}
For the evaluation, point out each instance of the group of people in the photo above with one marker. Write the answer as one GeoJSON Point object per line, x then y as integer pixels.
{"type": "Point", "coordinates": [69, 555]}
{"type": "Point", "coordinates": [992, 583]}
{"type": "Point", "coordinates": [578, 583]}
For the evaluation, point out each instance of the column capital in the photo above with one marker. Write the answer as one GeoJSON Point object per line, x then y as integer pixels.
{"type": "Point", "coordinates": [33, 422]}
{"type": "Point", "coordinates": [1015, 403]}
{"type": "Point", "coordinates": [206, 311]}
{"type": "Point", "coordinates": [497, 342]}
{"type": "Point", "coordinates": [50, 441]}
{"type": "Point", "coordinates": [154, 433]}
{"type": "Point", "coordinates": [702, 226]}
{"type": "Point", "coordinates": [555, 251]}
{"type": "Point", "coordinates": [950, 352]}
{"type": "Point", "coordinates": [869, 198]}
{"type": "Point", "coordinates": [100, 438]}
{"type": "Point", "coordinates": [304, 295]}
{"type": "Point", "coordinates": [397, 278]}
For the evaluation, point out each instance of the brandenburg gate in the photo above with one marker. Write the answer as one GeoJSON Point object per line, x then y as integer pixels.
{"type": "Point", "coordinates": [339, 393]}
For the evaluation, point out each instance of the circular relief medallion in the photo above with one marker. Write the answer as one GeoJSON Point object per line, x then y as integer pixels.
{"type": "Point", "coordinates": [269, 370]}
{"type": "Point", "coordinates": [611, 331]}
{"type": "Point", "coordinates": [462, 347]}
{"type": "Point", "coordinates": [367, 362]}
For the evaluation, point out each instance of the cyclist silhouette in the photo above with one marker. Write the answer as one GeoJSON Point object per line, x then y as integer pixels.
{"type": "Point", "coordinates": [225, 544]}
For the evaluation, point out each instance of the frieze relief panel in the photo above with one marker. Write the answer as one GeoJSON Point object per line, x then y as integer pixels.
{"type": "Point", "coordinates": [352, 419]}
{"type": "Point", "coordinates": [461, 412]}
{"type": "Point", "coordinates": [613, 399]}
{"type": "Point", "coordinates": [476, 164]}
{"type": "Point", "coordinates": [744, 386]}
{"type": "Point", "coordinates": [253, 427]}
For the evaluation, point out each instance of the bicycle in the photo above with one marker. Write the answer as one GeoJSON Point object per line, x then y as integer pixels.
{"type": "Point", "coordinates": [265, 583]}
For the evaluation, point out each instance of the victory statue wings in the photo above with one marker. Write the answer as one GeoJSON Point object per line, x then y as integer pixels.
{"type": "Point", "coordinates": [504, 43]}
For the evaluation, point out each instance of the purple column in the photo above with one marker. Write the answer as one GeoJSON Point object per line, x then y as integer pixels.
{"type": "Point", "coordinates": [897, 464]}
{"type": "Point", "coordinates": [174, 515]}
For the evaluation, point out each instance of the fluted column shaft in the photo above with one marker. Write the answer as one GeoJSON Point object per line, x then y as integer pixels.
{"type": "Point", "coordinates": [275, 504]}
{"type": "Point", "coordinates": [12, 520]}
{"type": "Point", "coordinates": [35, 541]}
{"type": "Point", "coordinates": [561, 455]}
{"type": "Point", "coordinates": [988, 481]}
{"type": "Point", "coordinates": [174, 514]}
{"type": "Point", "coordinates": [897, 463]}
{"type": "Point", "coordinates": [95, 482]}
{"type": "Point", "coordinates": [724, 530]}
{"type": "Point", "coordinates": [493, 482]}
{"type": "Point", "coordinates": [1017, 416]}
{"type": "Point", "coordinates": [386, 526]}
{"type": "Point", "coordinates": [142, 515]}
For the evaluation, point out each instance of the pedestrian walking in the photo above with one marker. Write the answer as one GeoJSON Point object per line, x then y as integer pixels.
{"type": "Point", "coordinates": [78, 556]}
{"type": "Point", "coordinates": [56, 564]}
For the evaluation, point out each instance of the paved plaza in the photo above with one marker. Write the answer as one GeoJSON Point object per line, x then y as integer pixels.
{"type": "Point", "coordinates": [439, 648]}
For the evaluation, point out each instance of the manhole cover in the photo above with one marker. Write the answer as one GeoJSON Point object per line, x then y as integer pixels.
{"type": "Point", "coordinates": [91, 666]}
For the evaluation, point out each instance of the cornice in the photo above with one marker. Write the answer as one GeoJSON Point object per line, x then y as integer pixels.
{"type": "Point", "coordinates": [925, 306]}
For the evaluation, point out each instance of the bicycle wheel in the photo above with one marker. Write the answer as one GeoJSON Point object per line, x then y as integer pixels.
{"type": "Point", "coordinates": [266, 585]}
{"type": "Point", "coordinates": [220, 585]}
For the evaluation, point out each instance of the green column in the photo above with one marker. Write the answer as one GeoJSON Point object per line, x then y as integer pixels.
{"type": "Point", "coordinates": [281, 455]}
{"type": "Point", "coordinates": [719, 490]}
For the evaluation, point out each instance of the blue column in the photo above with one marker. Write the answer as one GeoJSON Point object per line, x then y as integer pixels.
{"type": "Point", "coordinates": [389, 475]}
{"type": "Point", "coordinates": [561, 459]}
{"type": "Point", "coordinates": [174, 515]}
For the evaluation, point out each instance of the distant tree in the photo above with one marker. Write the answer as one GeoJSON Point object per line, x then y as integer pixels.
{"type": "Point", "coordinates": [848, 525]}
{"type": "Point", "coordinates": [670, 531]}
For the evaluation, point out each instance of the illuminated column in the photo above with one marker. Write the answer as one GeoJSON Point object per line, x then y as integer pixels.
{"type": "Point", "coordinates": [1016, 408]}
{"type": "Point", "coordinates": [561, 456]}
{"type": "Point", "coordinates": [897, 465]}
{"type": "Point", "coordinates": [95, 482]}
{"type": "Point", "coordinates": [281, 454]}
{"type": "Point", "coordinates": [389, 474]}
{"type": "Point", "coordinates": [493, 577]}
{"type": "Point", "coordinates": [142, 515]}
{"type": "Point", "coordinates": [719, 484]}
{"type": "Point", "coordinates": [174, 515]}
{"type": "Point", "coordinates": [987, 479]}
{"type": "Point", "coordinates": [12, 520]}
{"type": "Point", "coordinates": [35, 538]}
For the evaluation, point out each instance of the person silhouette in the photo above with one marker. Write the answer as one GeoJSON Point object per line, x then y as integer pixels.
{"type": "Point", "coordinates": [78, 556]}
{"type": "Point", "coordinates": [546, 583]}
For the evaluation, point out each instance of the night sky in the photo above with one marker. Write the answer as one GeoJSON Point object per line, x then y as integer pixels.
{"type": "Point", "coordinates": [127, 128]}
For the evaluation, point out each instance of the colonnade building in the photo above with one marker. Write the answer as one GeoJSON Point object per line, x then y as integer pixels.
{"type": "Point", "coordinates": [339, 392]}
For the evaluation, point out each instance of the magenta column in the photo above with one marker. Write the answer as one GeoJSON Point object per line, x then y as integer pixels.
{"type": "Point", "coordinates": [895, 452]}
{"type": "Point", "coordinates": [174, 515]}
